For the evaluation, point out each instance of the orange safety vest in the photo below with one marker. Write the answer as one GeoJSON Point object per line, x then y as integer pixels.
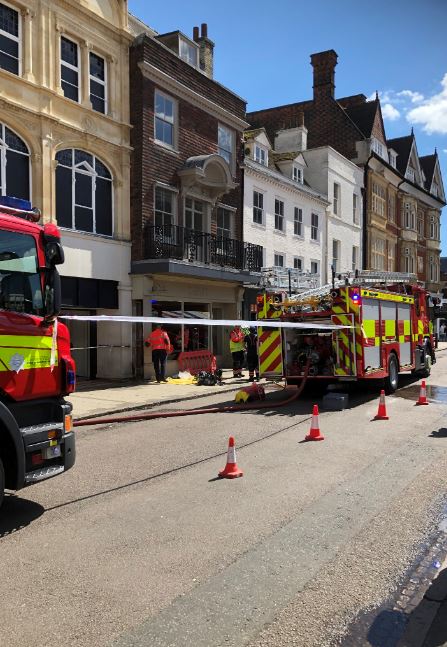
{"type": "Point", "coordinates": [159, 340]}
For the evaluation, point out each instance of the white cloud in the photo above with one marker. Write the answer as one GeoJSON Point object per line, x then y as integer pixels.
{"type": "Point", "coordinates": [432, 113]}
{"type": "Point", "coordinates": [390, 112]}
{"type": "Point", "coordinates": [415, 97]}
{"type": "Point", "coordinates": [445, 150]}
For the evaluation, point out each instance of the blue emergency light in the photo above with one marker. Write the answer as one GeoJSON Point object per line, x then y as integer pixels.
{"type": "Point", "coordinates": [15, 203]}
{"type": "Point", "coordinates": [355, 297]}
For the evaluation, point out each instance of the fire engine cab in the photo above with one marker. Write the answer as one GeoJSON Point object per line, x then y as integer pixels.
{"type": "Point", "coordinates": [387, 319]}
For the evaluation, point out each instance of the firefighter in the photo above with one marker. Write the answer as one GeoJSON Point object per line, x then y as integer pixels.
{"type": "Point", "coordinates": [251, 343]}
{"type": "Point", "coordinates": [237, 347]}
{"type": "Point", "coordinates": [160, 343]}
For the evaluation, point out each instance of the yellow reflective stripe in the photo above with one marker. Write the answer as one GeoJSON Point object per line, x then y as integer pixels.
{"type": "Point", "coordinates": [386, 296]}
{"type": "Point", "coordinates": [407, 330]}
{"type": "Point", "coordinates": [15, 359]}
{"type": "Point", "coordinates": [369, 328]}
{"type": "Point", "coordinates": [420, 327]}
{"type": "Point", "coordinates": [390, 328]}
{"type": "Point", "coordinates": [26, 341]}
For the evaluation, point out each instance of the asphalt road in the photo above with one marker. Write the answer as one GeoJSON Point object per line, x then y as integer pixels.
{"type": "Point", "coordinates": [139, 544]}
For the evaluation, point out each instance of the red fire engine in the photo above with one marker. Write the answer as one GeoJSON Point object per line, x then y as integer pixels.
{"type": "Point", "coordinates": [388, 330]}
{"type": "Point", "coordinates": [36, 367]}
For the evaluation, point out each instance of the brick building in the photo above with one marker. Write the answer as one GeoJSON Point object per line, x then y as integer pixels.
{"type": "Point", "coordinates": [188, 256]}
{"type": "Point", "coordinates": [354, 127]}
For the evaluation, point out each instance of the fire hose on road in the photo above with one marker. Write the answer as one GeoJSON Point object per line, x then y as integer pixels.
{"type": "Point", "coordinates": [195, 412]}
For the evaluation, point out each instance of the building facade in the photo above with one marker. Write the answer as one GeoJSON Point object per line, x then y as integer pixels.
{"type": "Point", "coordinates": [64, 145]}
{"type": "Point", "coordinates": [188, 254]}
{"type": "Point", "coordinates": [354, 127]}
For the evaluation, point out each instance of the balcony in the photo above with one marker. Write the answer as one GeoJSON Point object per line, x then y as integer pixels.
{"type": "Point", "coordinates": [193, 246]}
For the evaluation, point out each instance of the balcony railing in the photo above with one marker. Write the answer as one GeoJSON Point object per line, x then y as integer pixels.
{"type": "Point", "coordinates": [174, 242]}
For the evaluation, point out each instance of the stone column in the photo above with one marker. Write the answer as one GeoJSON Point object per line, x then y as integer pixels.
{"type": "Point", "coordinates": [85, 74]}
{"type": "Point", "coordinates": [111, 87]}
{"type": "Point", "coordinates": [57, 59]}
{"type": "Point", "coordinates": [28, 16]}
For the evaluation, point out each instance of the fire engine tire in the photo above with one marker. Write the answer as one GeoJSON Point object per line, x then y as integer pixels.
{"type": "Point", "coordinates": [392, 379]}
{"type": "Point", "coordinates": [428, 363]}
{"type": "Point", "coordinates": [2, 483]}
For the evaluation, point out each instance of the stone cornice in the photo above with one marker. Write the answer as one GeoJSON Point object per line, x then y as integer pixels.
{"type": "Point", "coordinates": [182, 91]}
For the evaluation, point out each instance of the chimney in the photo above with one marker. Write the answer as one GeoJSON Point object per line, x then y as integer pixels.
{"type": "Point", "coordinates": [292, 139]}
{"type": "Point", "coordinates": [206, 48]}
{"type": "Point", "coordinates": [324, 73]}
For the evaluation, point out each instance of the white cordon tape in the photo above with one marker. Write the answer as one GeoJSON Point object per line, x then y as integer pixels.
{"type": "Point", "coordinates": [53, 346]}
{"type": "Point", "coordinates": [244, 323]}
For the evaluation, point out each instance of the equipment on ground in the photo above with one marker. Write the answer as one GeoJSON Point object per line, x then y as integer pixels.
{"type": "Point", "coordinates": [36, 367]}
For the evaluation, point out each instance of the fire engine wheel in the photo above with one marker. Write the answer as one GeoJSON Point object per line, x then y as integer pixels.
{"type": "Point", "coordinates": [428, 363]}
{"type": "Point", "coordinates": [392, 379]}
{"type": "Point", "coordinates": [2, 482]}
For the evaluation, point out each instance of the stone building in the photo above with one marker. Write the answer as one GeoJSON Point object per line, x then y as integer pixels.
{"type": "Point", "coordinates": [64, 144]}
{"type": "Point", "coordinates": [188, 256]}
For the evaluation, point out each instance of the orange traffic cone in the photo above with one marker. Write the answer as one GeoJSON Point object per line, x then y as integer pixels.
{"type": "Point", "coordinates": [381, 413]}
{"type": "Point", "coordinates": [423, 395]}
{"type": "Point", "coordinates": [231, 470]}
{"type": "Point", "coordinates": [315, 433]}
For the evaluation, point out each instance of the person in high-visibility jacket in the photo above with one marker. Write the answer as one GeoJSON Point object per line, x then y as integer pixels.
{"type": "Point", "coordinates": [160, 343]}
{"type": "Point", "coordinates": [237, 347]}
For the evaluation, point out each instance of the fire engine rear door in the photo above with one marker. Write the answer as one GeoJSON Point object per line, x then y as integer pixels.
{"type": "Point", "coordinates": [270, 352]}
{"type": "Point", "coordinates": [343, 344]}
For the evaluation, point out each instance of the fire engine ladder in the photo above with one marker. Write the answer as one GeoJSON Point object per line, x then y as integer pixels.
{"type": "Point", "coordinates": [315, 292]}
{"type": "Point", "coordinates": [374, 277]}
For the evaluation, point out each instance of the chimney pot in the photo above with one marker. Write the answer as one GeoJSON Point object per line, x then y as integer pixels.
{"type": "Point", "coordinates": [195, 34]}
{"type": "Point", "coordinates": [204, 30]}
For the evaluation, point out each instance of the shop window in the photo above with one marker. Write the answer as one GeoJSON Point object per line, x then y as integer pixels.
{"type": "Point", "coordinates": [197, 337]}
{"type": "Point", "coordinates": [14, 165]}
{"type": "Point", "coordinates": [172, 309]}
{"type": "Point", "coordinates": [83, 193]}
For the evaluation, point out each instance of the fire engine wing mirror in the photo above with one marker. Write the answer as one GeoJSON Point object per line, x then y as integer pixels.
{"type": "Point", "coordinates": [52, 294]}
{"type": "Point", "coordinates": [54, 253]}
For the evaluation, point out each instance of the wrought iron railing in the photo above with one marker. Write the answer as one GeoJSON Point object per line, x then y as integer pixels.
{"type": "Point", "coordinates": [174, 242]}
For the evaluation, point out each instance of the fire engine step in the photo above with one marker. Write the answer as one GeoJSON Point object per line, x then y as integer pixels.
{"type": "Point", "coordinates": [43, 473]}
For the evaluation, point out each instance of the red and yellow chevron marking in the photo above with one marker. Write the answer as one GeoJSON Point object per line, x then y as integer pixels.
{"type": "Point", "coordinates": [344, 342]}
{"type": "Point", "coordinates": [354, 309]}
{"type": "Point", "coordinates": [270, 352]}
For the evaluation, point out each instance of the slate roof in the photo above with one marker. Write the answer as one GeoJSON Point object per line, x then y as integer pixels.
{"type": "Point", "coordinates": [254, 132]}
{"type": "Point", "coordinates": [428, 163]}
{"type": "Point", "coordinates": [402, 146]}
{"type": "Point", "coordinates": [363, 116]}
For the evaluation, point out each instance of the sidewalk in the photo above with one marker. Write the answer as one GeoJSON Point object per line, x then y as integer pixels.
{"type": "Point", "coordinates": [99, 397]}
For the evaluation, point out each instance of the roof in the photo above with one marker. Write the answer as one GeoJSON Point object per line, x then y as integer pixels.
{"type": "Point", "coordinates": [428, 163]}
{"type": "Point", "coordinates": [281, 157]}
{"type": "Point", "coordinates": [363, 116]}
{"type": "Point", "coordinates": [402, 146]}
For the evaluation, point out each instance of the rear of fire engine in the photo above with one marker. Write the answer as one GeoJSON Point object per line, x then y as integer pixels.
{"type": "Point", "coordinates": [36, 367]}
{"type": "Point", "coordinates": [388, 330]}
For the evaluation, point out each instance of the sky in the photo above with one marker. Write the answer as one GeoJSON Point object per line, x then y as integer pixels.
{"type": "Point", "coordinates": [262, 53]}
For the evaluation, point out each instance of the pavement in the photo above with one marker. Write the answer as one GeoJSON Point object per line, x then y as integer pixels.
{"type": "Point", "coordinates": [100, 397]}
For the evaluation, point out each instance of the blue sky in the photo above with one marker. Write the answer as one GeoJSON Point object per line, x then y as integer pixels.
{"type": "Point", "coordinates": [262, 51]}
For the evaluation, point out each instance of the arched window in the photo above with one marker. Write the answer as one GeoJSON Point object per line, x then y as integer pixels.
{"type": "Point", "coordinates": [14, 165]}
{"type": "Point", "coordinates": [83, 193]}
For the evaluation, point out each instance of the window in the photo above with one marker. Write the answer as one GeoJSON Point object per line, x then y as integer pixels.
{"type": "Point", "coordinates": [225, 143]}
{"type": "Point", "coordinates": [298, 222]}
{"type": "Point", "coordinates": [298, 263]}
{"type": "Point", "coordinates": [84, 199]}
{"type": "Point", "coordinates": [336, 199]}
{"type": "Point", "coordinates": [19, 276]}
{"type": "Point", "coordinates": [314, 226]}
{"type": "Point", "coordinates": [355, 209]}
{"type": "Point", "coordinates": [164, 119]}
{"type": "Point", "coordinates": [336, 255]}
{"type": "Point", "coordinates": [14, 165]}
{"type": "Point", "coordinates": [392, 159]}
{"type": "Point", "coordinates": [378, 148]}
{"type": "Point", "coordinates": [98, 83]}
{"type": "Point", "coordinates": [70, 69]}
{"type": "Point", "coordinates": [408, 260]}
{"type": "Point", "coordinates": [391, 257]}
{"type": "Point", "coordinates": [164, 207]}
{"type": "Point", "coordinates": [188, 52]}
{"type": "Point", "coordinates": [409, 216]}
{"type": "Point", "coordinates": [223, 229]}
{"type": "Point", "coordinates": [261, 155]}
{"type": "Point", "coordinates": [279, 260]}
{"type": "Point", "coordinates": [435, 189]}
{"type": "Point", "coordinates": [378, 199]}
{"type": "Point", "coordinates": [433, 269]}
{"type": "Point", "coordinates": [314, 267]}
{"type": "Point", "coordinates": [355, 258]}
{"type": "Point", "coordinates": [9, 39]}
{"type": "Point", "coordinates": [194, 214]}
{"type": "Point", "coordinates": [420, 225]}
{"type": "Point", "coordinates": [410, 174]}
{"type": "Point", "coordinates": [258, 207]}
{"type": "Point", "coordinates": [391, 207]}
{"type": "Point", "coordinates": [378, 254]}
{"type": "Point", "coordinates": [298, 174]}
{"type": "Point", "coordinates": [434, 228]}
{"type": "Point", "coordinates": [279, 215]}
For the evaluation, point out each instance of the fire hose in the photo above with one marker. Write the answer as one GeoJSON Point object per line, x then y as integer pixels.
{"type": "Point", "coordinates": [195, 412]}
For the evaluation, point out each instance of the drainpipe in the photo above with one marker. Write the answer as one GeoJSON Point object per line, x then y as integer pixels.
{"type": "Point", "coordinates": [365, 212]}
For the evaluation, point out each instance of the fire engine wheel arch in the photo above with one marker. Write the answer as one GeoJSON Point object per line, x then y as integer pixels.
{"type": "Point", "coordinates": [391, 381]}
{"type": "Point", "coordinates": [11, 450]}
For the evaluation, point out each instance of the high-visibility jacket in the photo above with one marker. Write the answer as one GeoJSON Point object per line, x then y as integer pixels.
{"type": "Point", "coordinates": [237, 342]}
{"type": "Point", "coordinates": [159, 340]}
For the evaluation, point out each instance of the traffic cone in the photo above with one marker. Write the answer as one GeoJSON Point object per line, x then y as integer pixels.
{"type": "Point", "coordinates": [231, 470]}
{"type": "Point", "coordinates": [423, 395]}
{"type": "Point", "coordinates": [315, 433]}
{"type": "Point", "coordinates": [381, 412]}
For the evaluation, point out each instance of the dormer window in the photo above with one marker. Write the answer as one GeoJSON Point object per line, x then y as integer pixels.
{"type": "Point", "coordinates": [410, 174]}
{"type": "Point", "coordinates": [435, 190]}
{"type": "Point", "coordinates": [297, 174]}
{"type": "Point", "coordinates": [260, 155]}
{"type": "Point", "coordinates": [393, 157]}
{"type": "Point", "coordinates": [378, 148]}
{"type": "Point", "coordinates": [188, 52]}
